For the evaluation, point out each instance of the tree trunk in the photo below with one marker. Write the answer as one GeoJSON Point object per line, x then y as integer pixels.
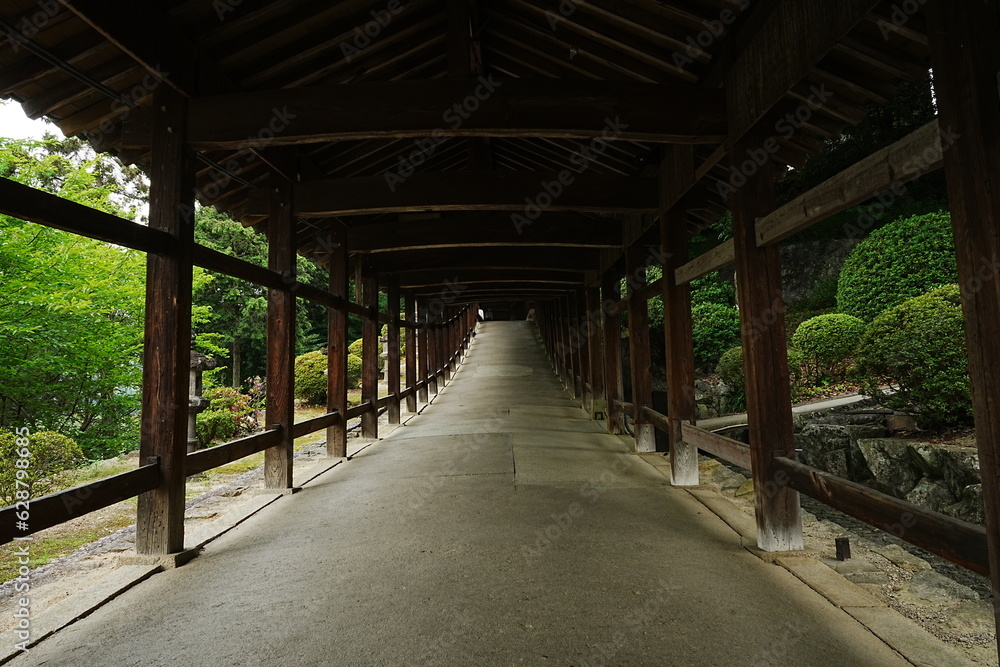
{"type": "Point", "coordinates": [236, 363]}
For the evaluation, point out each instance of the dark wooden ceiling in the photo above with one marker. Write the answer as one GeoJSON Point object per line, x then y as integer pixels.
{"type": "Point", "coordinates": [258, 45]}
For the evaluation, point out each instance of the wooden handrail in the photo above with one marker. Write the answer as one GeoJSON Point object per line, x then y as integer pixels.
{"type": "Point", "coordinates": [315, 424]}
{"type": "Point", "coordinates": [220, 455]}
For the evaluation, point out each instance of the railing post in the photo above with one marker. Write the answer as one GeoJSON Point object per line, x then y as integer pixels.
{"type": "Point", "coordinates": [411, 352]}
{"type": "Point", "coordinates": [392, 345]}
{"type": "Point", "coordinates": [638, 337]}
{"type": "Point", "coordinates": [167, 338]}
{"type": "Point", "coordinates": [423, 352]}
{"type": "Point", "coordinates": [611, 292]}
{"type": "Point", "coordinates": [965, 54]}
{"type": "Point", "coordinates": [337, 264]}
{"type": "Point", "coordinates": [595, 348]}
{"type": "Point", "coordinates": [370, 358]}
{"type": "Point", "coordinates": [583, 353]}
{"type": "Point", "coordinates": [432, 352]}
{"type": "Point", "coordinates": [280, 335]}
{"type": "Point", "coordinates": [769, 411]}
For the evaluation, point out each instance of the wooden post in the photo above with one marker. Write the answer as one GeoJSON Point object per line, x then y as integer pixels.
{"type": "Point", "coordinates": [611, 293]}
{"type": "Point", "coordinates": [585, 342]}
{"type": "Point", "coordinates": [410, 313]}
{"type": "Point", "coordinates": [769, 411]}
{"type": "Point", "coordinates": [679, 348]}
{"type": "Point", "coordinates": [965, 54]}
{"type": "Point", "coordinates": [432, 351]}
{"type": "Point", "coordinates": [562, 345]}
{"type": "Point", "coordinates": [638, 337]}
{"type": "Point", "coordinates": [575, 340]}
{"type": "Point", "coordinates": [336, 399]}
{"type": "Point", "coordinates": [369, 336]}
{"type": "Point", "coordinates": [167, 338]}
{"type": "Point", "coordinates": [595, 346]}
{"type": "Point", "coordinates": [423, 352]}
{"type": "Point", "coordinates": [444, 341]}
{"type": "Point", "coordinates": [392, 348]}
{"type": "Point", "coordinates": [280, 335]}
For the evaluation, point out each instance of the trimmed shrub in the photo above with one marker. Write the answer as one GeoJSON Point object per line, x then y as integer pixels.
{"type": "Point", "coordinates": [716, 328]}
{"type": "Point", "coordinates": [353, 371]}
{"type": "Point", "coordinates": [355, 348]}
{"type": "Point", "coordinates": [730, 370]}
{"type": "Point", "coordinates": [229, 414]}
{"type": "Point", "coordinates": [904, 259]}
{"type": "Point", "coordinates": [826, 342]}
{"type": "Point", "coordinates": [919, 347]}
{"type": "Point", "coordinates": [712, 289]}
{"type": "Point", "coordinates": [310, 378]}
{"type": "Point", "coordinates": [48, 455]}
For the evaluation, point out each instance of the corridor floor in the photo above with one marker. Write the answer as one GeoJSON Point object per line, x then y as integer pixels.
{"type": "Point", "coordinates": [499, 527]}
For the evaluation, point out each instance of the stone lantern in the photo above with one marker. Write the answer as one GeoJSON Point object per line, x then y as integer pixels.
{"type": "Point", "coordinates": [196, 402]}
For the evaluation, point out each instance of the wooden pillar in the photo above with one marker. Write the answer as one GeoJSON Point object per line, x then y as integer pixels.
{"type": "Point", "coordinates": [423, 352]}
{"type": "Point", "coordinates": [336, 398]}
{"type": "Point", "coordinates": [562, 345]}
{"type": "Point", "coordinates": [769, 412]}
{"type": "Point", "coordinates": [965, 54]}
{"type": "Point", "coordinates": [677, 330]}
{"type": "Point", "coordinates": [280, 335]}
{"type": "Point", "coordinates": [392, 349]}
{"type": "Point", "coordinates": [445, 343]}
{"type": "Point", "coordinates": [369, 347]}
{"type": "Point", "coordinates": [167, 338]}
{"type": "Point", "coordinates": [573, 345]}
{"type": "Point", "coordinates": [410, 313]}
{"type": "Point", "coordinates": [638, 339]}
{"type": "Point", "coordinates": [432, 351]}
{"type": "Point", "coordinates": [611, 293]}
{"type": "Point", "coordinates": [595, 346]}
{"type": "Point", "coordinates": [584, 334]}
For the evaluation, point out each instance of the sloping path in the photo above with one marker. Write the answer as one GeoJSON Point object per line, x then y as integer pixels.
{"type": "Point", "coordinates": [500, 527]}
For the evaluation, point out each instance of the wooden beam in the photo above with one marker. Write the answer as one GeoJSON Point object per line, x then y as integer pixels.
{"type": "Point", "coordinates": [570, 230]}
{"type": "Point", "coordinates": [794, 37]}
{"type": "Point", "coordinates": [638, 342]}
{"type": "Point", "coordinates": [483, 107]}
{"type": "Point", "coordinates": [219, 455]}
{"type": "Point", "coordinates": [721, 255]}
{"type": "Point", "coordinates": [445, 278]}
{"type": "Point", "coordinates": [27, 203]}
{"type": "Point", "coordinates": [525, 193]}
{"type": "Point", "coordinates": [369, 347]}
{"type": "Point", "coordinates": [678, 329]}
{"type": "Point", "coordinates": [167, 340]}
{"type": "Point", "coordinates": [337, 323]}
{"type": "Point", "coordinates": [887, 169]}
{"type": "Point", "coordinates": [571, 260]}
{"type": "Point", "coordinates": [280, 412]}
{"type": "Point", "coordinates": [965, 54]}
{"type": "Point", "coordinates": [758, 271]}
{"type": "Point", "coordinates": [392, 349]}
{"type": "Point", "coordinates": [725, 448]}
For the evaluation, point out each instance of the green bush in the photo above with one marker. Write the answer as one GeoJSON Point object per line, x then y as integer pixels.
{"type": "Point", "coordinates": [919, 347]}
{"type": "Point", "coordinates": [716, 328]}
{"type": "Point", "coordinates": [355, 348]}
{"type": "Point", "coordinates": [311, 378]}
{"type": "Point", "coordinates": [730, 370]}
{"type": "Point", "coordinates": [353, 371]}
{"type": "Point", "coordinates": [904, 259]}
{"type": "Point", "coordinates": [229, 414]}
{"type": "Point", "coordinates": [826, 342]}
{"type": "Point", "coordinates": [49, 455]}
{"type": "Point", "coordinates": [712, 289]}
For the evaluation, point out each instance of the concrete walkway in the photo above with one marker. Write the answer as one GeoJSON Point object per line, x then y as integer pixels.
{"type": "Point", "coordinates": [500, 527]}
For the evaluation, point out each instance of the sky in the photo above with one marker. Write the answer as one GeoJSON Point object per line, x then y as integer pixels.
{"type": "Point", "coordinates": [15, 125]}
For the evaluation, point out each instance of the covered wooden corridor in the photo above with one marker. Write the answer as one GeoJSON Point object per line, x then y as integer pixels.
{"type": "Point", "coordinates": [489, 530]}
{"type": "Point", "coordinates": [453, 155]}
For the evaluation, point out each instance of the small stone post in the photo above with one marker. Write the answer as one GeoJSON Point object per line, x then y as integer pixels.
{"type": "Point", "coordinates": [196, 402]}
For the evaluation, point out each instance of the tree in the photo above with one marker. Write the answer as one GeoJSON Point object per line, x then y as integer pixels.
{"type": "Point", "coordinates": [72, 308]}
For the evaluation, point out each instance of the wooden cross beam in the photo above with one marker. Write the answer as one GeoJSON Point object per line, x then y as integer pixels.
{"type": "Point", "coordinates": [527, 193]}
{"type": "Point", "coordinates": [456, 260]}
{"type": "Point", "coordinates": [482, 107]}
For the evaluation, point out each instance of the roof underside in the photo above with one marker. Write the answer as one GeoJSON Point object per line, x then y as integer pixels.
{"type": "Point", "coordinates": [256, 45]}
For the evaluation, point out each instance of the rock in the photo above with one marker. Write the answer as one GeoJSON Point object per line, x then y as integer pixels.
{"type": "Point", "coordinates": [900, 423]}
{"type": "Point", "coordinates": [970, 618]}
{"type": "Point", "coordinates": [970, 506]}
{"type": "Point", "coordinates": [929, 493]}
{"type": "Point", "coordinates": [825, 446]}
{"type": "Point", "coordinates": [902, 558]}
{"type": "Point", "coordinates": [892, 466]}
{"type": "Point", "coordinates": [745, 490]}
{"type": "Point", "coordinates": [929, 587]}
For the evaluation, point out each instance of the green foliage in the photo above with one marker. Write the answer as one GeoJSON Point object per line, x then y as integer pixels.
{"type": "Point", "coordinates": [353, 371]}
{"type": "Point", "coordinates": [826, 342]}
{"type": "Point", "coordinates": [902, 260]}
{"type": "Point", "coordinates": [311, 378]}
{"type": "Point", "coordinates": [712, 289]}
{"type": "Point", "coordinates": [46, 456]}
{"type": "Point", "coordinates": [71, 308]}
{"type": "Point", "coordinates": [229, 414]}
{"type": "Point", "coordinates": [356, 347]}
{"type": "Point", "coordinates": [716, 328]}
{"type": "Point", "coordinates": [730, 370]}
{"type": "Point", "coordinates": [919, 347]}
